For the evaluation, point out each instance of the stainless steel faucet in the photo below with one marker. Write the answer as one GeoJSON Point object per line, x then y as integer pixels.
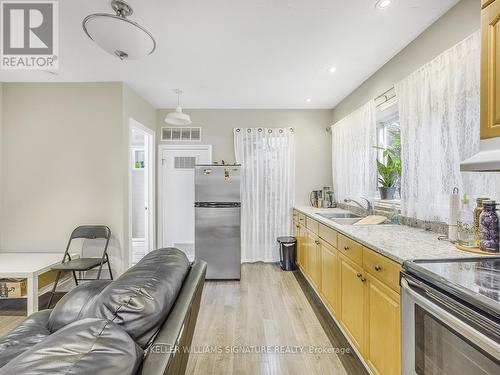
{"type": "Point", "coordinates": [368, 208]}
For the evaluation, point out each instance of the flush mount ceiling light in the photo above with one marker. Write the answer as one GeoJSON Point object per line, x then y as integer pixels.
{"type": "Point", "coordinates": [383, 4]}
{"type": "Point", "coordinates": [178, 117]}
{"type": "Point", "coordinates": [118, 35]}
{"type": "Point", "coordinates": [309, 100]}
{"type": "Point", "coordinates": [332, 69]}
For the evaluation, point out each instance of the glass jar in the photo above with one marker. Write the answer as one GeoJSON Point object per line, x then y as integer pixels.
{"type": "Point", "coordinates": [477, 212]}
{"type": "Point", "coordinates": [489, 227]}
{"type": "Point", "coordinates": [465, 224]}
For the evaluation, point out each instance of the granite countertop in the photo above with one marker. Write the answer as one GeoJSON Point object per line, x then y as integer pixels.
{"type": "Point", "coordinates": [397, 242]}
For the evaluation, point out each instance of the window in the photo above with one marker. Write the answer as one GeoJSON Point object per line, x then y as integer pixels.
{"type": "Point", "coordinates": [389, 146]}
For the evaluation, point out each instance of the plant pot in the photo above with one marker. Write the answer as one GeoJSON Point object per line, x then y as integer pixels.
{"type": "Point", "coordinates": [387, 193]}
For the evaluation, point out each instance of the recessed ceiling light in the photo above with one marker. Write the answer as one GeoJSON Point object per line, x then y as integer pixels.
{"type": "Point", "coordinates": [383, 4]}
{"type": "Point", "coordinates": [309, 100]}
{"type": "Point", "coordinates": [332, 69]}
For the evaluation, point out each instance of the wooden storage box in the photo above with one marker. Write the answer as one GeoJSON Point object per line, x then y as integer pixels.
{"type": "Point", "coordinates": [12, 288]}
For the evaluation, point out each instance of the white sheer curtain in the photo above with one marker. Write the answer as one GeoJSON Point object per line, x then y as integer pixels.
{"type": "Point", "coordinates": [267, 189]}
{"type": "Point", "coordinates": [353, 155]}
{"type": "Point", "coordinates": [439, 115]}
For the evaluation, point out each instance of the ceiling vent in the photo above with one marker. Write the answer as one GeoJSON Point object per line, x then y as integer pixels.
{"type": "Point", "coordinates": [180, 134]}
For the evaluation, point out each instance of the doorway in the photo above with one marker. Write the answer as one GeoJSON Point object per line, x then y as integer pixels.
{"type": "Point", "coordinates": [176, 194]}
{"type": "Point", "coordinates": [141, 191]}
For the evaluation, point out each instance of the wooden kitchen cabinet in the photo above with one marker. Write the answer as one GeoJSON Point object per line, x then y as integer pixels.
{"type": "Point", "coordinates": [312, 225]}
{"type": "Point", "coordinates": [360, 287]}
{"type": "Point", "coordinates": [382, 323]}
{"type": "Point", "coordinates": [350, 249]}
{"type": "Point", "coordinates": [485, 3]}
{"type": "Point", "coordinates": [303, 247]}
{"type": "Point", "coordinates": [314, 259]}
{"type": "Point", "coordinates": [352, 301]}
{"type": "Point", "coordinates": [329, 276]}
{"type": "Point", "coordinates": [382, 268]}
{"type": "Point", "coordinates": [490, 69]}
{"type": "Point", "coordinates": [296, 234]}
{"type": "Point", "coordinates": [327, 234]}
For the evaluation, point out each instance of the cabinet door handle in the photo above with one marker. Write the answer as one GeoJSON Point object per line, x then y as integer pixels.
{"type": "Point", "coordinates": [378, 268]}
{"type": "Point", "coordinates": [359, 275]}
{"type": "Point", "coordinates": [346, 248]}
{"type": "Point", "coordinates": [317, 242]}
{"type": "Point", "coordinates": [297, 226]}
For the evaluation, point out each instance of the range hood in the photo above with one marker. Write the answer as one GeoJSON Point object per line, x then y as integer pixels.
{"type": "Point", "coordinates": [486, 160]}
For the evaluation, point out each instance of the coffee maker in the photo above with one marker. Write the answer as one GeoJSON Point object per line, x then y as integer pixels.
{"type": "Point", "coordinates": [329, 199]}
{"type": "Point", "coordinates": [322, 198]}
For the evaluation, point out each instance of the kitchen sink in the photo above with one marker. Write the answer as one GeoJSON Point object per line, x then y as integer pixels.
{"type": "Point", "coordinates": [344, 218]}
{"type": "Point", "coordinates": [339, 215]}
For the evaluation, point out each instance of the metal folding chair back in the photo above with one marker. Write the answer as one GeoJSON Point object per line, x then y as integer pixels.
{"type": "Point", "coordinates": [90, 232]}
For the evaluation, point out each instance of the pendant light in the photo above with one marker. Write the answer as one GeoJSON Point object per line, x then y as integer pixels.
{"type": "Point", "coordinates": [178, 117]}
{"type": "Point", "coordinates": [118, 35]}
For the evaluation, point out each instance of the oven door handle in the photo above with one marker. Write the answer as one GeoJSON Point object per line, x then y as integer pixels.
{"type": "Point", "coordinates": [482, 341]}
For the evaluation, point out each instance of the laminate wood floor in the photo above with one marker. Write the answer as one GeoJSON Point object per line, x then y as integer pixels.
{"type": "Point", "coordinates": [267, 312]}
{"type": "Point", "coordinates": [268, 307]}
{"type": "Point", "coordinates": [7, 323]}
{"type": "Point", "coordinates": [13, 311]}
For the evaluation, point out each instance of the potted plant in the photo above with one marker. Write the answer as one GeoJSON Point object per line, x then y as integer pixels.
{"type": "Point", "coordinates": [389, 171]}
{"type": "Point", "coordinates": [387, 177]}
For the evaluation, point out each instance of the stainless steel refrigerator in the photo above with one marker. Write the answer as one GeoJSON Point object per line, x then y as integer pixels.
{"type": "Point", "coordinates": [217, 220]}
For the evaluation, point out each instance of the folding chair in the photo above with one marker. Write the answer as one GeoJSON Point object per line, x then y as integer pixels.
{"type": "Point", "coordinates": [90, 232]}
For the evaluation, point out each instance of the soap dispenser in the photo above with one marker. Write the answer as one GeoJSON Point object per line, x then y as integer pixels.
{"type": "Point", "coordinates": [466, 226]}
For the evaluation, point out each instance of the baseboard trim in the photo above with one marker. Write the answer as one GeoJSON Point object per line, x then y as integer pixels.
{"type": "Point", "coordinates": [354, 363]}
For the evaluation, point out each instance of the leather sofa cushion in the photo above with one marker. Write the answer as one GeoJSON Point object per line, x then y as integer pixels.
{"type": "Point", "coordinates": [71, 307]}
{"type": "Point", "coordinates": [88, 346]}
{"type": "Point", "coordinates": [30, 332]}
{"type": "Point", "coordinates": [140, 299]}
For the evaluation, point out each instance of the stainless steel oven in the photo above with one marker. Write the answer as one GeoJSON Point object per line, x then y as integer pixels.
{"type": "Point", "coordinates": [444, 336]}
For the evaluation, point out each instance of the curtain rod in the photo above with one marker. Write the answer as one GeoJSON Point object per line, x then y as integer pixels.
{"type": "Point", "coordinates": [383, 96]}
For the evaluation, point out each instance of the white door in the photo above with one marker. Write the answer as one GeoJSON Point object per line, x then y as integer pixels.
{"type": "Point", "coordinates": [176, 187]}
{"type": "Point", "coordinates": [141, 191]}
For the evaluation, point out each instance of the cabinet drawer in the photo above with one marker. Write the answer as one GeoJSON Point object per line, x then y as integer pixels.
{"type": "Point", "coordinates": [485, 3]}
{"type": "Point", "coordinates": [302, 218]}
{"type": "Point", "coordinates": [350, 249]}
{"type": "Point", "coordinates": [312, 225]}
{"type": "Point", "coordinates": [381, 268]}
{"type": "Point", "coordinates": [327, 234]}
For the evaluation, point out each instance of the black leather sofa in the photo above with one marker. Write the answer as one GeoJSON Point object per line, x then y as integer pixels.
{"type": "Point", "coordinates": [139, 324]}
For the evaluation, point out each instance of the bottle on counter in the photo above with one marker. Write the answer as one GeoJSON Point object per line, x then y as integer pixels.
{"type": "Point", "coordinates": [489, 228]}
{"type": "Point", "coordinates": [465, 224]}
{"type": "Point", "coordinates": [394, 215]}
{"type": "Point", "coordinates": [477, 213]}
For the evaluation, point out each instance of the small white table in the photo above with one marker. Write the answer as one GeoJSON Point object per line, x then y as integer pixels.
{"type": "Point", "coordinates": [29, 266]}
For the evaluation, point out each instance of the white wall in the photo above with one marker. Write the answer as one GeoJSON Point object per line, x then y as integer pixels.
{"type": "Point", "coordinates": [313, 143]}
{"type": "Point", "coordinates": [1, 130]}
{"type": "Point", "coordinates": [64, 156]}
{"type": "Point", "coordinates": [458, 23]}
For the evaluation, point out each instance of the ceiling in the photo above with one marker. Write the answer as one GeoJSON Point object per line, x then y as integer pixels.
{"type": "Point", "coordinates": [244, 54]}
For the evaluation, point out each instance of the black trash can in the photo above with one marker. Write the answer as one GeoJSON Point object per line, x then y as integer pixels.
{"type": "Point", "coordinates": [288, 253]}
